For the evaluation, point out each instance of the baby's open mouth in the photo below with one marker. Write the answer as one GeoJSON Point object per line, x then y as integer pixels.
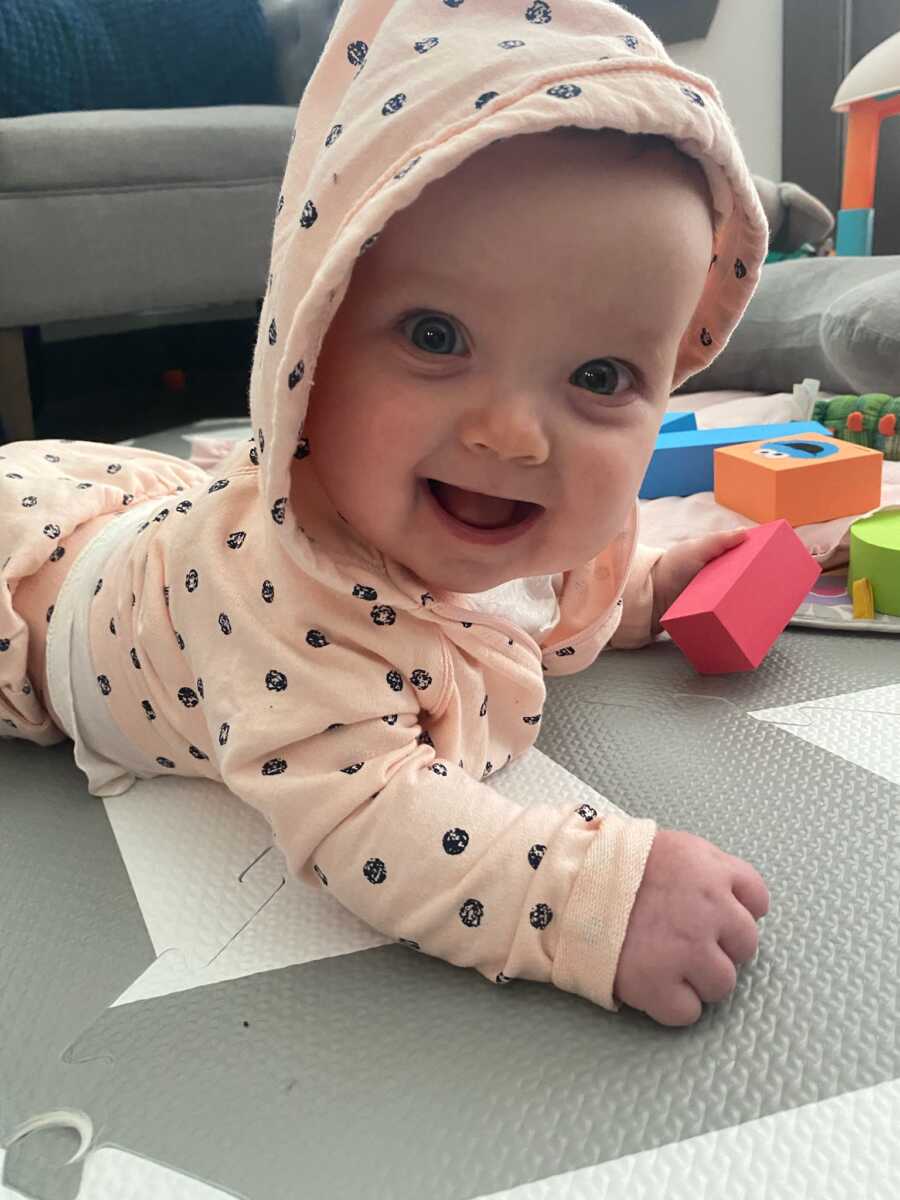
{"type": "Point", "coordinates": [478, 509]}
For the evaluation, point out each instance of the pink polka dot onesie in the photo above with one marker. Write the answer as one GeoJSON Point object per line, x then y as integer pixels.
{"type": "Point", "coordinates": [173, 622]}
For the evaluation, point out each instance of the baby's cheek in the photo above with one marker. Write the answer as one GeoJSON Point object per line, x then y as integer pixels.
{"type": "Point", "coordinates": [608, 488]}
{"type": "Point", "coordinates": [642, 443]}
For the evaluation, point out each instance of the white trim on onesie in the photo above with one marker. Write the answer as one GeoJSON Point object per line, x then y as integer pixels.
{"type": "Point", "coordinates": [109, 761]}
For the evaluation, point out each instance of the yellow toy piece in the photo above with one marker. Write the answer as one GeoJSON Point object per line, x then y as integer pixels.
{"type": "Point", "coordinates": [863, 600]}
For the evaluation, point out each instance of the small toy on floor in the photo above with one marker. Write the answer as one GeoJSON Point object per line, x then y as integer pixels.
{"type": "Point", "coordinates": [682, 461]}
{"type": "Point", "coordinates": [863, 600]}
{"type": "Point", "coordinates": [871, 420]}
{"type": "Point", "coordinates": [678, 422]}
{"type": "Point", "coordinates": [875, 560]}
{"type": "Point", "coordinates": [802, 478]}
{"type": "Point", "coordinates": [734, 609]}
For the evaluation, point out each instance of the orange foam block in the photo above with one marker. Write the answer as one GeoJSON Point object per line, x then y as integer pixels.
{"type": "Point", "coordinates": [730, 614]}
{"type": "Point", "coordinates": [804, 478]}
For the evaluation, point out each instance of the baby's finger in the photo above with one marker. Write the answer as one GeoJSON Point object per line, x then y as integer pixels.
{"type": "Point", "coordinates": [720, 542]}
{"type": "Point", "coordinates": [681, 1006]}
{"type": "Point", "coordinates": [740, 939]}
{"type": "Point", "coordinates": [749, 888]}
{"type": "Point", "coordinates": [704, 549]}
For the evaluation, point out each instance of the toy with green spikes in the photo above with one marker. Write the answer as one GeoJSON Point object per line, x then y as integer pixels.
{"type": "Point", "coordinates": [871, 420]}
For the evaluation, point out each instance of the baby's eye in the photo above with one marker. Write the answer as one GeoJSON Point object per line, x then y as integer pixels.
{"type": "Point", "coordinates": [603, 377]}
{"type": "Point", "coordinates": [437, 335]}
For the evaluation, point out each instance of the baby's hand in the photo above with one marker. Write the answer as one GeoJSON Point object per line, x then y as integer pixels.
{"type": "Point", "coordinates": [678, 566]}
{"type": "Point", "coordinates": [693, 919]}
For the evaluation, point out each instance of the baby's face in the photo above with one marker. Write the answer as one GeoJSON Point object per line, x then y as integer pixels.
{"type": "Point", "coordinates": [513, 332]}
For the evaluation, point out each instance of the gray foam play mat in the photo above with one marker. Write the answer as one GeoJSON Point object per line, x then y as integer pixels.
{"type": "Point", "coordinates": [187, 1023]}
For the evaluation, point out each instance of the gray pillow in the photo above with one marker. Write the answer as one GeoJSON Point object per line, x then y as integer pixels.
{"type": "Point", "coordinates": [834, 319]}
{"type": "Point", "coordinates": [299, 29]}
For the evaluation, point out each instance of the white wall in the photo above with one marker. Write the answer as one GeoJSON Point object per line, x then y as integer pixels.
{"type": "Point", "coordinates": [742, 54]}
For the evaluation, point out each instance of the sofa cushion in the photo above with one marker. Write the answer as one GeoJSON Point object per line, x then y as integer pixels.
{"type": "Point", "coordinates": [125, 148]}
{"type": "Point", "coordinates": [833, 319]}
{"type": "Point", "coordinates": [71, 55]}
{"type": "Point", "coordinates": [300, 29]}
{"type": "Point", "coordinates": [106, 213]}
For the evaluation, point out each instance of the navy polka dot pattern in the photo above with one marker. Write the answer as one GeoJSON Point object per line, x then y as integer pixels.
{"type": "Point", "coordinates": [345, 141]}
{"type": "Point", "coordinates": [370, 125]}
{"type": "Point", "coordinates": [364, 716]}
{"type": "Point", "coordinates": [54, 489]}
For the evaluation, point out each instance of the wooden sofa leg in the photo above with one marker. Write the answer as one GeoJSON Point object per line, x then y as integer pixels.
{"type": "Point", "coordinates": [15, 395]}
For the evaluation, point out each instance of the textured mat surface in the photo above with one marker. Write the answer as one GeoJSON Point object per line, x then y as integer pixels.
{"type": "Point", "coordinates": [366, 1069]}
{"type": "Point", "coordinates": [173, 1006]}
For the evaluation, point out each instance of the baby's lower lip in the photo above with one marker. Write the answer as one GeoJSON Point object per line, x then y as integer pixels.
{"type": "Point", "coordinates": [471, 533]}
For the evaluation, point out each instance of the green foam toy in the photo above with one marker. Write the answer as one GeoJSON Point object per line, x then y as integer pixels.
{"type": "Point", "coordinates": [871, 420]}
{"type": "Point", "coordinates": [875, 555]}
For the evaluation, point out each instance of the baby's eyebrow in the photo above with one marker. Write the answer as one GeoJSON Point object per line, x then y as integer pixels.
{"type": "Point", "coordinates": [429, 277]}
{"type": "Point", "coordinates": [435, 274]}
{"type": "Point", "coordinates": [643, 338]}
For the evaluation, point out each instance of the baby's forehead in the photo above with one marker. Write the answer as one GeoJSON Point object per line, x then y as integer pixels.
{"type": "Point", "coordinates": [508, 239]}
{"type": "Point", "coordinates": [576, 147]}
{"type": "Point", "coordinates": [557, 170]}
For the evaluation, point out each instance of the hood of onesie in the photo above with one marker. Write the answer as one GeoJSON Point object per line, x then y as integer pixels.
{"type": "Point", "coordinates": [406, 90]}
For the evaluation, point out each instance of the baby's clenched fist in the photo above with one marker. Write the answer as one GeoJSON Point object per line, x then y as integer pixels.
{"type": "Point", "coordinates": [693, 921]}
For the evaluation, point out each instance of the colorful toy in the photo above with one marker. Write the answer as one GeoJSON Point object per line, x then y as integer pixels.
{"type": "Point", "coordinates": [733, 610]}
{"type": "Point", "coordinates": [875, 557]}
{"type": "Point", "coordinates": [871, 420]}
{"type": "Point", "coordinates": [673, 422]}
{"type": "Point", "coordinates": [803, 479]}
{"type": "Point", "coordinates": [870, 94]}
{"type": "Point", "coordinates": [682, 462]}
{"type": "Point", "coordinates": [863, 601]}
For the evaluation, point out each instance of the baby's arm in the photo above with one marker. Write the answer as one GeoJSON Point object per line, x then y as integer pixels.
{"type": "Point", "coordinates": [657, 578]}
{"type": "Point", "coordinates": [636, 627]}
{"type": "Point", "coordinates": [421, 851]}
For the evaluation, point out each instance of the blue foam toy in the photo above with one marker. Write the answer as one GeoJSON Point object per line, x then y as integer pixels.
{"type": "Point", "coordinates": [674, 421]}
{"type": "Point", "coordinates": [682, 462]}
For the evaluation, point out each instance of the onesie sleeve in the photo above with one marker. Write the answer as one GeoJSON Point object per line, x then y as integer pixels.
{"type": "Point", "coordinates": [637, 601]}
{"type": "Point", "coordinates": [433, 858]}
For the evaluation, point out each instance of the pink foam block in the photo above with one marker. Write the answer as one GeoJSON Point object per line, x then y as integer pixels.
{"type": "Point", "coordinates": [727, 618]}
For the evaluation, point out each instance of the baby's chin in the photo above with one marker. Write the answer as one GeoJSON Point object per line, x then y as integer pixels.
{"type": "Point", "coordinates": [467, 584]}
{"type": "Point", "coordinates": [480, 569]}
{"type": "Point", "coordinates": [469, 579]}
{"type": "Point", "coordinates": [468, 570]}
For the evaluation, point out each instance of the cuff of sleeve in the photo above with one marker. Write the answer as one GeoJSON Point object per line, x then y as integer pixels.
{"type": "Point", "coordinates": [637, 601]}
{"type": "Point", "coordinates": [596, 916]}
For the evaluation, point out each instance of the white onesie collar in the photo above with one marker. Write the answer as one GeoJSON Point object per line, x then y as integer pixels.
{"type": "Point", "coordinates": [532, 602]}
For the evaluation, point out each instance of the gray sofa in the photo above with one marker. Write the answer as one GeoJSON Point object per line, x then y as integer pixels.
{"type": "Point", "coordinates": [135, 211]}
{"type": "Point", "coordinates": [139, 216]}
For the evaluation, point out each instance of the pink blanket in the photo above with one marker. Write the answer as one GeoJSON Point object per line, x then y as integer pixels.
{"type": "Point", "coordinates": [673, 519]}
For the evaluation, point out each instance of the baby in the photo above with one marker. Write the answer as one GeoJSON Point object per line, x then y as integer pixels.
{"type": "Point", "coordinates": [502, 241]}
